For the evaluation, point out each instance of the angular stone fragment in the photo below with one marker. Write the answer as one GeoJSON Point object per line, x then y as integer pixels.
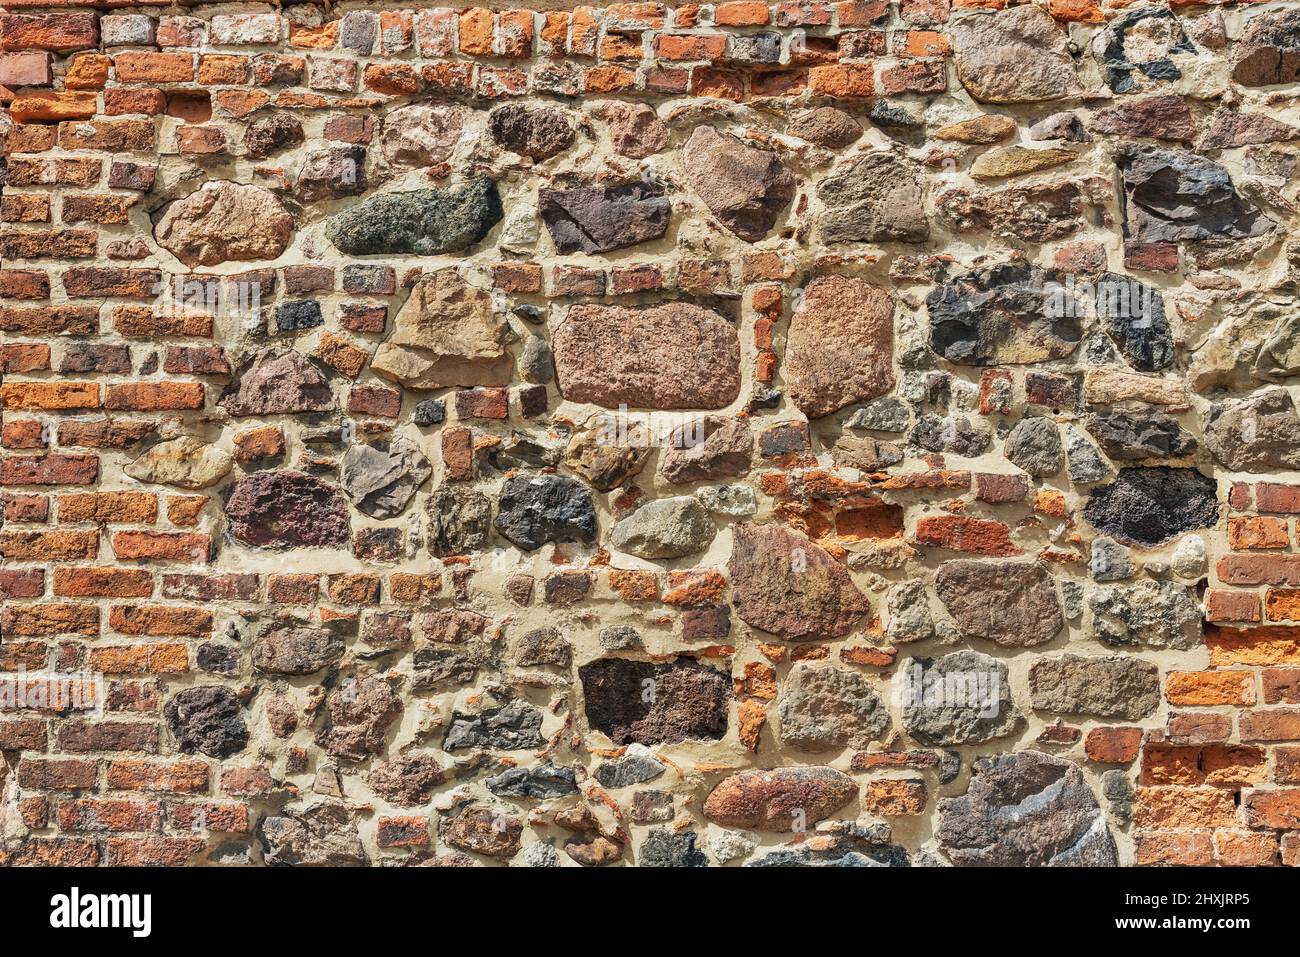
{"type": "Point", "coordinates": [635, 129]}
{"type": "Point", "coordinates": [1060, 126]}
{"type": "Point", "coordinates": [599, 219]}
{"type": "Point", "coordinates": [840, 347]}
{"type": "Point", "coordinates": [485, 830]}
{"type": "Point", "coordinates": [543, 646]}
{"type": "Point", "coordinates": [686, 700]}
{"type": "Point", "coordinates": [671, 356]}
{"type": "Point", "coordinates": [447, 333]}
{"type": "Point", "coordinates": [665, 528]}
{"type": "Point", "coordinates": [1230, 129]}
{"type": "Point", "coordinates": [1035, 446]}
{"type": "Point", "coordinates": [1039, 213]}
{"type": "Point", "coordinates": [826, 126]}
{"type": "Point", "coordinates": [1256, 434]}
{"type": "Point", "coordinates": [421, 134]}
{"type": "Point", "coordinates": [287, 509]}
{"type": "Point", "coordinates": [636, 766]}
{"type": "Point", "coordinates": [1268, 52]}
{"type": "Point", "coordinates": [782, 800]}
{"type": "Point", "coordinates": [185, 462]}
{"type": "Point", "coordinates": [460, 520]}
{"type": "Point", "coordinates": [1011, 313]}
{"type": "Point", "coordinates": [320, 835]}
{"type": "Point", "coordinates": [1157, 117]}
{"type": "Point", "coordinates": [1082, 460]}
{"type": "Point", "coordinates": [296, 650]}
{"type": "Point", "coordinates": [381, 479]}
{"type": "Point", "coordinates": [705, 449]}
{"type": "Point", "coordinates": [960, 698]}
{"type": "Point", "coordinates": [880, 198]}
{"type": "Point", "coordinates": [1172, 195]}
{"type": "Point", "coordinates": [424, 222]}
{"type": "Point", "coordinates": [1025, 810]}
{"type": "Point", "coordinates": [982, 130]}
{"type": "Point", "coordinates": [331, 173]}
{"type": "Point", "coordinates": [207, 719]}
{"type": "Point", "coordinates": [1017, 55]}
{"type": "Point", "coordinates": [1147, 506]}
{"type": "Point", "coordinates": [538, 133]}
{"type": "Point", "coordinates": [276, 132]}
{"type": "Point", "coordinates": [1114, 686]}
{"type": "Point", "coordinates": [357, 716]}
{"type": "Point", "coordinates": [276, 381]}
{"type": "Point", "coordinates": [1017, 161]}
{"type": "Point", "coordinates": [1133, 315]}
{"type": "Point", "coordinates": [1012, 604]}
{"type": "Point", "coordinates": [512, 727]}
{"type": "Point", "coordinates": [826, 709]}
{"type": "Point", "coordinates": [745, 187]}
{"type": "Point", "coordinates": [408, 781]}
{"type": "Point", "coordinates": [606, 458]}
{"type": "Point", "coordinates": [665, 848]}
{"type": "Point", "coordinates": [955, 434]}
{"type": "Point", "coordinates": [786, 584]}
{"type": "Point", "coordinates": [1129, 436]}
{"type": "Point", "coordinates": [535, 509]}
{"type": "Point", "coordinates": [1149, 613]}
{"type": "Point", "coordinates": [225, 222]}
{"type": "Point", "coordinates": [541, 783]}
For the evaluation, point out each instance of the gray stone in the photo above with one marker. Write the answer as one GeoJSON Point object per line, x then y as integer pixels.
{"type": "Point", "coordinates": [512, 727]}
{"type": "Point", "coordinates": [826, 709]}
{"type": "Point", "coordinates": [727, 846]}
{"type": "Point", "coordinates": [1147, 613]}
{"type": "Point", "coordinates": [880, 198]}
{"type": "Point", "coordinates": [1134, 318]}
{"type": "Point", "coordinates": [1082, 460]}
{"type": "Point", "coordinates": [540, 855]}
{"type": "Point", "coordinates": [1107, 687]}
{"type": "Point", "coordinates": [665, 848]}
{"type": "Point", "coordinates": [291, 649]}
{"type": "Point", "coordinates": [708, 448]}
{"type": "Point", "coordinates": [1109, 561]}
{"type": "Point", "coordinates": [319, 835]}
{"type": "Point", "coordinates": [1025, 810]}
{"type": "Point", "coordinates": [961, 698]}
{"type": "Point", "coordinates": [424, 222]}
{"type": "Point", "coordinates": [1129, 436]}
{"type": "Point", "coordinates": [1256, 434]}
{"type": "Point", "coordinates": [295, 316]}
{"type": "Point", "coordinates": [637, 765]}
{"type": "Point", "coordinates": [543, 646]}
{"type": "Point", "coordinates": [1013, 604]}
{"type": "Point", "coordinates": [908, 606]}
{"type": "Point", "coordinates": [543, 782]}
{"type": "Point", "coordinates": [746, 188]}
{"type": "Point", "coordinates": [665, 528]}
{"type": "Point", "coordinates": [736, 501]}
{"type": "Point", "coordinates": [535, 362]}
{"type": "Point", "coordinates": [429, 412]}
{"type": "Point", "coordinates": [1035, 446]}
{"type": "Point", "coordinates": [1060, 126]}
{"type": "Point", "coordinates": [1147, 506]}
{"type": "Point", "coordinates": [460, 520]}
{"type": "Point", "coordinates": [381, 479]}
{"type": "Point", "coordinates": [619, 638]}
{"type": "Point", "coordinates": [207, 719]}
{"type": "Point", "coordinates": [1172, 195]}
{"type": "Point", "coordinates": [1141, 47]}
{"type": "Point", "coordinates": [956, 434]}
{"type": "Point", "coordinates": [535, 509]}
{"type": "Point", "coordinates": [598, 219]}
{"type": "Point", "coordinates": [1017, 55]}
{"type": "Point", "coordinates": [331, 173]}
{"type": "Point", "coordinates": [882, 415]}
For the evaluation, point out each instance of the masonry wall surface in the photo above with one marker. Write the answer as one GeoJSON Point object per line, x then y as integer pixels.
{"type": "Point", "coordinates": [736, 433]}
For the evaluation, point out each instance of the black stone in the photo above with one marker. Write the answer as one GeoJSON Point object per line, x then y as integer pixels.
{"type": "Point", "coordinates": [665, 848]}
{"type": "Point", "coordinates": [207, 719]}
{"type": "Point", "coordinates": [637, 701]}
{"type": "Point", "coordinates": [509, 728]}
{"type": "Point", "coordinates": [1172, 195]}
{"type": "Point", "coordinates": [298, 314]}
{"type": "Point", "coordinates": [1147, 506]}
{"type": "Point", "coordinates": [430, 412]}
{"type": "Point", "coordinates": [546, 781]}
{"type": "Point", "coordinates": [423, 222]}
{"type": "Point", "coordinates": [1134, 317]}
{"type": "Point", "coordinates": [597, 219]}
{"type": "Point", "coordinates": [1128, 436]}
{"type": "Point", "coordinates": [534, 509]}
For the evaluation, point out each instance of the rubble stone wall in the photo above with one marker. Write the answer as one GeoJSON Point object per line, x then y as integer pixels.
{"type": "Point", "coordinates": [802, 433]}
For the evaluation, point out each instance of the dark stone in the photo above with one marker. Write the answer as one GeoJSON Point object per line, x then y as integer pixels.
{"type": "Point", "coordinates": [298, 314]}
{"type": "Point", "coordinates": [381, 479]}
{"type": "Point", "coordinates": [1268, 52]}
{"type": "Point", "coordinates": [956, 435]}
{"type": "Point", "coordinates": [460, 520]}
{"type": "Point", "coordinates": [423, 223]}
{"type": "Point", "coordinates": [286, 509]}
{"type": "Point", "coordinates": [1172, 195]}
{"type": "Point", "coordinates": [1117, 63]}
{"type": "Point", "coordinates": [535, 133]}
{"type": "Point", "coordinates": [535, 509]}
{"type": "Point", "coordinates": [546, 781]}
{"type": "Point", "coordinates": [512, 727]}
{"type": "Point", "coordinates": [429, 412]}
{"type": "Point", "coordinates": [665, 848]}
{"type": "Point", "coordinates": [270, 135]}
{"type": "Point", "coordinates": [1134, 317]}
{"type": "Point", "coordinates": [1025, 810]}
{"type": "Point", "coordinates": [1009, 313]}
{"type": "Point", "coordinates": [207, 719]}
{"type": "Point", "coordinates": [598, 219]}
{"type": "Point", "coordinates": [1147, 506]}
{"type": "Point", "coordinates": [217, 659]}
{"type": "Point", "coordinates": [686, 700]}
{"type": "Point", "coordinates": [357, 716]}
{"type": "Point", "coordinates": [1129, 436]}
{"type": "Point", "coordinates": [296, 650]}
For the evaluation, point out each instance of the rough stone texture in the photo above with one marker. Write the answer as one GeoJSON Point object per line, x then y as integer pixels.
{"type": "Point", "coordinates": [745, 187]}
{"type": "Point", "coordinates": [355, 357]}
{"type": "Point", "coordinates": [779, 800]}
{"type": "Point", "coordinates": [1025, 810]}
{"type": "Point", "coordinates": [790, 586]}
{"type": "Point", "coordinates": [840, 346]}
{"type": "Point", "coordinates": [674, 356]}
{"type": "Point", "coordinates": [825, 709]}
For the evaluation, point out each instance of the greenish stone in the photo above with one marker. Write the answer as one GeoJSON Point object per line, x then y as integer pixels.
{"type": "Point", "coordinates": [423, 222]}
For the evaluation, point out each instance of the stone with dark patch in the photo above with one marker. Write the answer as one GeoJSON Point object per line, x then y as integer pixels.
{"type": "Point", "coordinates": [1150, 505]}
{"type": "Point", "coordinates": [637, 701]}
{"type": "Point", "coordinates": [286, 509]}
{"type": "Point", "coordinates": [535, 509]}
{"type": "Point", "coordinates": [288, 649]}
{"type": "Point", "coordinates": [599, 219]}
{"type": "Point", "coordinates": [207, 719]}
{"type": "Point", "coordinates": [424, 222]}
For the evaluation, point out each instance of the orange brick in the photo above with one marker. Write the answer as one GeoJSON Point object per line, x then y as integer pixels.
{"type": "Point", "coordinates": [1113, 745]}
{"type": "Point", "coordinates": [102, 582]}
{"type": "Point", "coordinates": [476, 32]}
{"type": "Point", "coordinates": [844, 80]}
{"type": "Point", "coordinates": [741, 13]}
{"type": "Point", "coordinates": [153, 659]}
{"type": "Point", "coordinates": [1245, 848]}
{"type": "Point", "coordinates": [1159, 808]}
{"type": "Point", "coordinates": [1206, 688]}
{"type": "Point", "coordinates": [1174, 848]}
{"type": "Point", "coordinates": [154, 67]}
{"type": "Point", "coordinates": [177, 777]}
{"type": "Point", "coordinates": [1282, 604]}
{"type": "Point", "coordinates": [1257, 532]}
{"type": "Point", "coordinates": [136, 508]}
{"type": "Point", "coordinates": [50, 396]}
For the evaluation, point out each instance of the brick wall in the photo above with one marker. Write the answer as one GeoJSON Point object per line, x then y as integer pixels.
{"type": "Point", "coordinates": [588, 435]}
